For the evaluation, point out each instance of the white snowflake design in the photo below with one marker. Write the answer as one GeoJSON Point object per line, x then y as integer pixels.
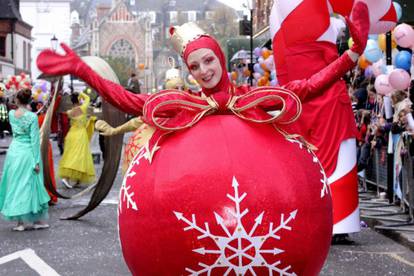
{"type": "Point", "coordinates": [240, 252]}
{"type": "Point", "coordinates": [125, 195]}
{"type": "Point", "coordinates": [324, 179]}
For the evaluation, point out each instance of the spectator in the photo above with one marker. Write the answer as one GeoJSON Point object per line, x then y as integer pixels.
{"type": "Point", "coordinates": [134, 84]}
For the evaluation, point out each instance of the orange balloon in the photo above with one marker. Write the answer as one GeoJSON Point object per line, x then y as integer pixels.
{"type": "Point", "coordinates": [141, 66]}
{"type": "Point", "coordinates": [246, 72]}
{"type": "Point", "coordinates": [266, 74]}
{"type": "Point", "coordinates": [266, 54]}
{"type": "Point", "coordinates": [264, 67]}
{"type": "Point", "coordinates": [363, 62]}
{"type": "Point", "coordinates": [234, 75]}
{"type": "Point", "coordinates": [262, 81]}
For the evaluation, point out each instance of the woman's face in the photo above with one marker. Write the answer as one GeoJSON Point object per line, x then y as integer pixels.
{"type": "Point", "coordinates": [205, 67]}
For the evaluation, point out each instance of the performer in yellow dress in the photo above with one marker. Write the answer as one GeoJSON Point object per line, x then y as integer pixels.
{"type": "Point", "coordinates": [77, 164]}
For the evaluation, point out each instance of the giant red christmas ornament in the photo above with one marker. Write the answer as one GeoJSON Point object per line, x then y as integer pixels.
{"type": "Point", "coordinates": [225, 197]}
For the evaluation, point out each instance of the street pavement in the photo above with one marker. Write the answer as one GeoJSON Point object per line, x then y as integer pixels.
{"type": "Point", "coordinates": [90, 246]}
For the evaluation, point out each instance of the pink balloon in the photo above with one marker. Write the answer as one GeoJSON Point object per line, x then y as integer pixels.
{"type": "Point", "coordinates": [257, 75]}
{"type": "Point", "coordinates": [379, 68]}
{"type": "Point", "coordinates": [382, 85]}
{"type": "Point", "coordinates": [404, 35]}
{"type": "Point", "coordinates": [269, 62]}
{"type": "Point", "coordinates": [399, 79]}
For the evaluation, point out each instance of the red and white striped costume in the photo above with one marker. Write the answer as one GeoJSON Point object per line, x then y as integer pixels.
{"type": "Point", "coordinates": [303, 44]}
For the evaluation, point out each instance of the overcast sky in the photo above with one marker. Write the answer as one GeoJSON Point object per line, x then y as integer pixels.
{"type": "Point", "coordinates": [236, 4]}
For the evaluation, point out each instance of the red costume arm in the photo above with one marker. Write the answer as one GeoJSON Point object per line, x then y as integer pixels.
{"type": "Point", "coordinates": [319, 82]}
{"type": "Point", "coordinates": [52, 63]}
{"type": "Point", "coordinates": [316, 84]}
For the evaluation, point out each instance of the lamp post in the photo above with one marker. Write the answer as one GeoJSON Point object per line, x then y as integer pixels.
{"type": "Point", "coordinates": [250, 6]}
{"type": "Point", "coordinates": [54, 42]}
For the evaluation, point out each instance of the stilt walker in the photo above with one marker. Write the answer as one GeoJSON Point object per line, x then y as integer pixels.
{"type": "Point", "coordinates": [327, 121]}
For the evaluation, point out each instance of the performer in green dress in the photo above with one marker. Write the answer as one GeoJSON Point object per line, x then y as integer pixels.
{"type": "Point", "coordinates": [23, 197]}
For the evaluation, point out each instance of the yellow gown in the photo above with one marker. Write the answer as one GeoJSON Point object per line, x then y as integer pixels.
{"type": "Point", "coordinates": [77, 163]}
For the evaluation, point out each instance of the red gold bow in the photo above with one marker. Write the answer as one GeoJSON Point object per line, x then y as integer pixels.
{"type": "Point", "coordinates": [173, 110]}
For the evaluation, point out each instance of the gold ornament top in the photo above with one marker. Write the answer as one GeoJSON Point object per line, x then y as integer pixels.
{"type": "Point", "coordinates": [184, 34]}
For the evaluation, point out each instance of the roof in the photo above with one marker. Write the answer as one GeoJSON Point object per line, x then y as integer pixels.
{"type": "Point", "coordinates": [10, 10]}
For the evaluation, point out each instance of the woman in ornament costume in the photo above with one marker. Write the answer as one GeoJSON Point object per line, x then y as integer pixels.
{"type": "Point", "coordinates": [327, 121]}
{"type": "Point", "coordinates": [221, 158]}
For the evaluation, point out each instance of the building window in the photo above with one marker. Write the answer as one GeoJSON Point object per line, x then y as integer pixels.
{"type": "Point", "coordinates": [173, 17]}
{"type": "Point", "coordinates": [192, 16]}
{"type": "Point", "coordinates": [2, 46]}
{"type": "Point", "coordinates": [123, 49]}
{"type": "Point", "coordinates": [209, 15]}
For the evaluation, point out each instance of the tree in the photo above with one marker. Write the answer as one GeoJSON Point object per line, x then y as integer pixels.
{"type": "Point", "coordinates": [223, 25]}
{"type": "Point", "coordinates": [121, 67]}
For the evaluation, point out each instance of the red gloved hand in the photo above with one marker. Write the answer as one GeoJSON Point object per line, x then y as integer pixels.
{"type": "Point", "coordinates": [359, 27]}
{"type": "Point", "coordinates": [53, 63]}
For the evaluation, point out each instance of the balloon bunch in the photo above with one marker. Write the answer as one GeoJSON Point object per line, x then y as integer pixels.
{"type": "Point", "coordinates": [264, 71]}
{"type": "Point", "coordinates": [40, 92]}
{"type": "Point", "coordinates": [392, 77]}
{"type": "Point", "coordinates": [16, 82]}
{"type": "Point", "coordinates": [396, 76]}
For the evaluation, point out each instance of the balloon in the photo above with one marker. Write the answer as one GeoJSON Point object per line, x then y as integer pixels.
{"type": "Point", "coordinates": [234, 75]}
{"type": "Point", "coordinates": [399, 79]}
{"type": "Point", "coordinates": [404, 35]}
{"type": "Point", "coordinates": [263, 66]}
{"type": "Point", "coordinates": [269, 62]}
{"type": "Point", "coordinates": [7, 86]}
{"type": "Point", "coordinates": [266, 53]}
{"type": "Point", "coordinates": [389, 68]}
{"type": "Point", "coordinates": [373, 36]}
{"type": "Point", "coordinates": [258, 68]}
{"type": "Point", "coordinates": [350, 43]}
{"type": "Point", "coordinates": [398, 10]}
{"type": "Point", "coordinates": [141, 66]}
{"type": "Point", "coordinates": [372, 52]}
{"type": "Point", "coordinates": [273, 82]}
{"type": "Point", "coordinates": [368, 72]}
{"type": "Point", "coordinates": [246, 72]}
{"type": "Point", "coordinates": [379, 68]}
{"type": "Point", "coordinates": [382, 85]}
{"type": "Point", "coordinates": [257, 51]}
{"type": "Point", "coordinates": [394, 53]}
{"type": "Point", "coordinates": [273, 74]}
{"type": "Point", "coordinates": [403, 60]}
{"type": "Point", "coordinates": [363, 62]}
{"type": "Point", "coordinates": [44, 86]}
{"type": "Point", "coordinates": [257, 75]}
{"type": "Point", "coordinates": [13, 78]}
{"type": "Point", "coordinates": [262, 81]}
{"type": "Point", "coordinates": [382, 41]}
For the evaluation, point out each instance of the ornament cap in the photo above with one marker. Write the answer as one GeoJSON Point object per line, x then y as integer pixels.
{"type": "Point", "coordinates": [184, 34]}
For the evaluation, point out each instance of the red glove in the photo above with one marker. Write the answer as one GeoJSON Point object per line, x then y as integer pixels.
{"type": "Point", "coordinates": [53, 63]}
{"type": "Point", "coordinates": [359, 27]}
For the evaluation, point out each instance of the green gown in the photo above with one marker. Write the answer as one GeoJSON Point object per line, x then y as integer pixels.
{"type": "Point", "coordinates": [23, 195]}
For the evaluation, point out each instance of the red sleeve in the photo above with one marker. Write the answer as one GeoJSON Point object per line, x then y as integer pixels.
{"type": "Point", "coordinates": [315, 86]}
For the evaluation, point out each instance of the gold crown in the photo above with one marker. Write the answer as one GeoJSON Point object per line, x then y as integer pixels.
{"type": "Point", "coordinates": [184, 34]}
